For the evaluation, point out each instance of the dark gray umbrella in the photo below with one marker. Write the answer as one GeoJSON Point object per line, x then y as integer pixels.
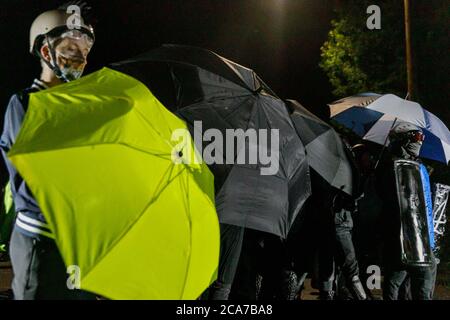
{"type": "Point", "coordinates": [325, 151]}
{"type": "Point", "coordinates": [199, 85]}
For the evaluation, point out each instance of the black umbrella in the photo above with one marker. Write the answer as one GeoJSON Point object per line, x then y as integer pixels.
{"type": "Point", "coordinates": [200, 85]}
{"type": "Point", "coordinates": [325, 151]}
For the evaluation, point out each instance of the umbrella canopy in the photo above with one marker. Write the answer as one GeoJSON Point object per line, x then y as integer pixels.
{"type": "Point", "coordinates": [7, 217]}
{"type": "Point", "coordinates": [200, 85]}
{"type": "Point", "coordinates": [325, 150]}
{"type": "Point", "coordinates": [98, 155]}
{"type": "Point", "coordinates": [371, 116]}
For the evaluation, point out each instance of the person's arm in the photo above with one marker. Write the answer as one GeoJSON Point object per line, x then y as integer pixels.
{"type": "Point", "coordinates": [13, 120]}
{"type": "Point", "coordinates": [6, 138]}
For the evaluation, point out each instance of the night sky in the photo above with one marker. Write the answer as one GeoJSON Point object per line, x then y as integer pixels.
{"type": "Point", "coordinates": [279, 39]}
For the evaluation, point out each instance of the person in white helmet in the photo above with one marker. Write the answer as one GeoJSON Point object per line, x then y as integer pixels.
{"type": "Point", "coordinates": [62, 42]}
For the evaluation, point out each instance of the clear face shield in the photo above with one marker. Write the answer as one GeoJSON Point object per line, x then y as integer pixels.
{"type": "Point", "coordinates": [71, 49]}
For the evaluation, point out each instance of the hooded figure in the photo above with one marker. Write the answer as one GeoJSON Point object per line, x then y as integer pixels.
{"type": "Point", "coordinates": [405, 143]}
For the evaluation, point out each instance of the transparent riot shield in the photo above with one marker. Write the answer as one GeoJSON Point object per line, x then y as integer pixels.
{"type": "Point", "coordinates": [414, 233]}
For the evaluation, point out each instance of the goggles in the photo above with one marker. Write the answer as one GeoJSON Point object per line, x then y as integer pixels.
{"type": "Point", "coordinates": [416, 136]}
{"type": "Point", "coordinates": [75, 34]}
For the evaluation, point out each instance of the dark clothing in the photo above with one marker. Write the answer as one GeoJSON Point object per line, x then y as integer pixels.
{"type": "Point", "coordinates": [252, 264]}
{"type": "Point", "coordinates": [325, 269]}
{"type": "Point", "coordinates": [264, 260]}
{"type": "Point", "coordinates": [231, 240]}
{"type": "Point", "coordinates": [245, 282]}
{"type": "Point", "coordinates": [345, 251]}
{"type": "Point", "coordinates": [395, 272]}
{"type": "Point", "coordinates": [312, 237]}
{"type": "Point", "coordinates": [421, 283]}
{"type": "Point", "coordinates": [347, 270]}
{"type": "Point", "coordinates": [30, 221]}
{"type": "Point", "coordinates": [275, 270]}
{"type": "Point", "coordinates": [390, 214]}
{"type": "Point", "coordinates": [39, 271]}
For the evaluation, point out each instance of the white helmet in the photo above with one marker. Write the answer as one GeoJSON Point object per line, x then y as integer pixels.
{"type": "Point", "coordinates": [53, 23]}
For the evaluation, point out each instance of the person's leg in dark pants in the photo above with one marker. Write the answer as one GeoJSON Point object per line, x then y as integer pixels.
{"type": "Point", "coordinates": [53, 274]}
{"type": "Point", "coordinates": [231, 240]}
{"type": "Point", "coordinates": [422, 282]}
{"type": "Point", "coordinates": [24, 265]}
{"type": "Point", "coordinates": [277, 280]}
{"type": "Point", "coordinates": [250, 263]}
{"type": "Point", "coordinates": [393, 279]}
{"type": "Point", "coordinates": [345, 251]}
{"type": "Point", "coordinates": [325, 271]}
{"type": "Point", "coordinates": [434, 270]}
{"type": "Point", "coordinates": [419, 283]}
{"type": "Point", "coordinates": [39, 271]}
{"type": "Point", "coordinates": [346, 255]}
{"type": "Point", "coordinates": [404, 292]}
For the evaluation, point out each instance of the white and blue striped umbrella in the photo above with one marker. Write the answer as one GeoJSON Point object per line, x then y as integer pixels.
{"type": "Point", "coordinates": [371, 116]}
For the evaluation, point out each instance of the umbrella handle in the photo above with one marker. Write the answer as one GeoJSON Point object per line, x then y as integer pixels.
{"type": "Point", "coordinates": [384, 145]}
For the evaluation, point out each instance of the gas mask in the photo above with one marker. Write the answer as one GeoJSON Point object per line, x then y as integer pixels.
{"type": "Point", "coordinates": [414, 140]}
{"type": "Point", "coordinates": [72, 67]}
{"type": "Point", "coordinates": [407, 138]}
{"type": "Point", "coordinates": [70, 51]}
{"type": "Point", "coordinates": [413, 148]}
{"type": "Point", "coordinates": [70, 74]}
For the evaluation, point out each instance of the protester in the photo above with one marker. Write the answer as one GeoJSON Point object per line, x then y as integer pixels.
{"type": "Point", "coordinates": [39, 272]}
{"type": "Point", "coordinates": [366, 235]}
{"type": "Point", "coordinates": [405, 144]}
{"type": "Point", "coordinates": [345, 255]}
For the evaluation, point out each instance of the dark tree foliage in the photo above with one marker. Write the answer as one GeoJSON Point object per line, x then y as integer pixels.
{"type": "Point", "coordinates": [357, 59]}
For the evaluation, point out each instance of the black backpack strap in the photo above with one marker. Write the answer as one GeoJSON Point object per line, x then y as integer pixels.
{"type": "Point", "coordinates": [24, 97]}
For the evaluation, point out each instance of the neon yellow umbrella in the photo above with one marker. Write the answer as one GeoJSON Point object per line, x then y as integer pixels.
{"type": "Point", "coordinates": [98, 155]}
{"type": "Point", "coordinates": [7, 216]}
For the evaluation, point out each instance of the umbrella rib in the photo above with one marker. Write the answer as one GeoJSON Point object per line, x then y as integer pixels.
{"type": "Point", "coordinates": [159, 189]}
{"type": "Point", "coordinates": [193, 65]}
{"type": "Point", "coordinates": [232, 97]}
{"type": "Point", "coordinates": [156, 153]}
{"type": "Point", "coordinates": [200, 105]}
{"type": "Point", "coordinates": [280, 147]}
{"type": "Point", "coordinates": [227, 62]}
{"type": "Point", "coordinates": [228, 89]}
{"type": "Point", "coordinates": [226, 121]}
{"type": "Point", "coordinates": [238, 107]}
{"type": "Point", "coordinates": [151, 125]}
{"type": "Point", "coordinates": [185, 186]}
{"type": "Point", "coordinates": [215, 99]}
